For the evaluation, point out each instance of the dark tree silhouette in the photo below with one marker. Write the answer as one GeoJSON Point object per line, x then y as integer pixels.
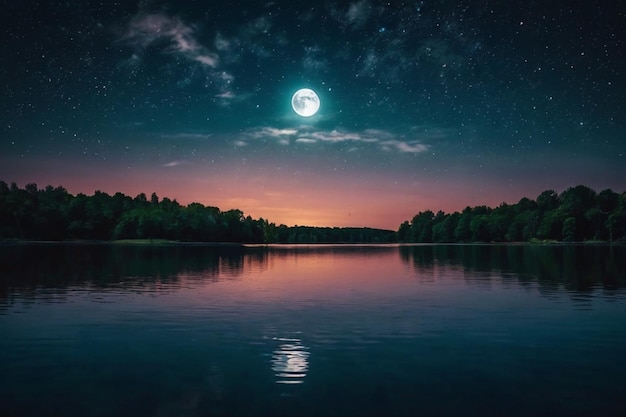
{"type": "Point", "coordinates": [577, 214]}
{"type": "Point", "coordinates": [54, 214]}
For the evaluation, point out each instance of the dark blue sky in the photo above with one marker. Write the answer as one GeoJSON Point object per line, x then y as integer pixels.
{"type": "Point", "coordinates": [425, 104]}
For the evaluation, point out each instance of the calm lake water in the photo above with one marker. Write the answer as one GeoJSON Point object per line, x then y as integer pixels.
{"type": "Point", "coordinates": [312, 331]}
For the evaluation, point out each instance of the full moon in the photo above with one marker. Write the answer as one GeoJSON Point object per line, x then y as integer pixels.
{"type": "Point", "coordinates": [305, 102]}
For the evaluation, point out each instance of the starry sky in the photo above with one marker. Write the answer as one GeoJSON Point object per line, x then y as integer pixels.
{"type": "Point", "coordinates": [430, 104]}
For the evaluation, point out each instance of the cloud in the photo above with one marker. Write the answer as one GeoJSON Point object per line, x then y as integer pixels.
{"type": "Point", "coordinates": [176, 164]}
{"type": "Point", "coordinates": [369, 63]}
{"type": "Point", "coordinates": [257, 37]}
{"type": "Point", "coordinates": [375, 138]}
{"type": "Point", "coordinates": [187, 136]}
{"type": "Point", "coordinates": [211, 60]}
{"type": "Point", "coordinates": [172, 36]}
{"type": "Point", "coordinates": [384, 46]}
{"type": "Point", "coordinates": [408, 147]}
{"type": "Point", "coordinates": [358, 13]}
{"type": "Point", "coordinates": [226, 95]}
{"type": "Point", "coordinates": [355, 16]}
{"type": "Point", "coordinates": [258, 26]}
{"type": "Point", "coordinates": [221, 43]}
{"type": "Point", "coordinates": [271, 132]}
{"type": "Point", "coordinates": [305, 140]}
{"type": "Point", "coordinates": [312, 61]}
{"type": "Point", "coordinates": [145, 30]}
{"type": "Point", "coordinates": [336, 136]}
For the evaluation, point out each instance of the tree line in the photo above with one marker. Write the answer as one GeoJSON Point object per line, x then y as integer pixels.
{"type": "Point", "coordinates": [577, 214]}
{"type": "Point", "coordinates": [53, 214]}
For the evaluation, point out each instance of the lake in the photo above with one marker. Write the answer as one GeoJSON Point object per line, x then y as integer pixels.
{"type": "Point", "coordinates": [430, 330]}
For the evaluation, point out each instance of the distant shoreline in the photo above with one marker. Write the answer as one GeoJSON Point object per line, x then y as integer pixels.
{"type": "Point", "coordinates": [165, 242]}
{"type": "Point", "coordinates": [125, 242]}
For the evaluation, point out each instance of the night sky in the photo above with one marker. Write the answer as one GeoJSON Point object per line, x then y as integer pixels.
{"type": "Point", "coordinates": [424, 104]}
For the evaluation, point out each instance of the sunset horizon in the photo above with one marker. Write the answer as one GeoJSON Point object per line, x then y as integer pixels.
{"type": "Point", "coordinates": [308, 215]}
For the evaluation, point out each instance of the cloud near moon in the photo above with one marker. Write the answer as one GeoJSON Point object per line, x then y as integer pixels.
{"type": "Point", "coordinates": [373, 138]}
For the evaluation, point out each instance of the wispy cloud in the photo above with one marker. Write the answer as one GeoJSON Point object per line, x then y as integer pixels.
{"type": "Point", "coordinates": [226, 95]}
{"type": "Point", "coordinates": [177, 163]}
{"type": "Point", "coordinates": [313, 60]}
{"type": "Point", "coordinates": [271, 132]}
{"type": "Point", "coordinates": [408, 147]}
{"type": "Point", "coordinates": [172, 36]}
{"type": "Point", "coordinates": [337, 136]}
{"type": "Point", "coordinates": [354, 16]}
{"type": "Point", "coordinates": [358, 13]}
{"type": "Point", "coordinates": [256, 38]}
{"type": "Point", "coordinates": [380, 139]}
{"type": "Point", "coordinates": [392, 47]}
{"type": "Point", "coordinates": [258, 26]}
{"type": "Point", "coordinates": [210, 60]}
{"type": "Point", "coordinates": [305, 140]}
{"type": "Point", "coordinates": [187, 136]}
{"type": "Point", "coordinates": [177, 37]}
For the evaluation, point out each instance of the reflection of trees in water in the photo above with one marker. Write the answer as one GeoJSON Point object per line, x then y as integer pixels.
{"type": "Point", "coordinates": [27, 269]}
{"type": "Point", "coordinates": [358, 251]}
{"type": "Point", "coordinates": [573, 267]}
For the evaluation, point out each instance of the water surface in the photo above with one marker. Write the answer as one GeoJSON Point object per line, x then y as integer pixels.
{"type": "Point", "coordinates": [100, 330]}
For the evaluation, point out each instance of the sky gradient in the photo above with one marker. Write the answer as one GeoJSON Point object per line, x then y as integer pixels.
{"type": "Point", "coordinates": [424, 104]}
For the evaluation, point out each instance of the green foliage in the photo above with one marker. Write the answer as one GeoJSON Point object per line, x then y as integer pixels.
{"type": "Point", "coordinates": [54, 214]}
{"type": "Point", "coordinates": [444, 227]}
{"type": "Point", "coordinates": [551, 225]}
{"type": "Point", "coordinates": [569, 229]}
{"type": "Point", "coordinates": [462, 231]}
{"type": "Point", "coordinates": [577, 214]}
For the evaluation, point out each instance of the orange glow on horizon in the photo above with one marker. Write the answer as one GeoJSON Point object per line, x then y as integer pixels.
{"type": "Point", "coordinates": [323, 199]}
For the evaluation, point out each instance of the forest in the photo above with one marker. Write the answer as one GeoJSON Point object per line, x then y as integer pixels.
{"type": "Point", "coordinates": [577, 214]}
{"type": "Point", "coordinates": [53, 214]}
